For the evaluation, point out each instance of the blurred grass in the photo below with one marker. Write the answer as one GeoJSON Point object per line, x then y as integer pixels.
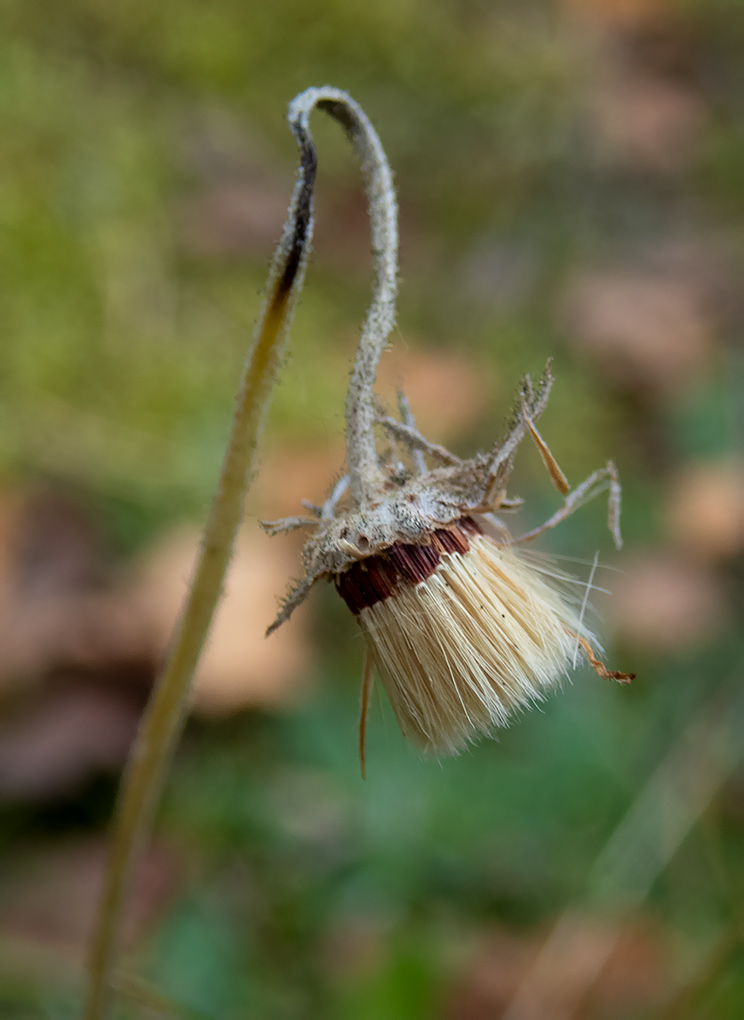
{"type": "Point", "coordinates": [308, 893]}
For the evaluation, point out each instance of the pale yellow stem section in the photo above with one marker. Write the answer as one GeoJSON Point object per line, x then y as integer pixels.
{"type": "Point", "coordinates": [163, 718]}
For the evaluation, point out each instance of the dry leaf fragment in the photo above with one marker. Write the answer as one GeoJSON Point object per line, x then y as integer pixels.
{"type": "Point", "coordinates": [51, 749]}
{"type": "Point", "coordinates": [448, 391]}
{"type": "Point", "coordinates": [666, 602]}
{"type": "Point", "coordinates": [240, 668]}
{"type": "Point", "coordinates": [647, 332]}
{"type": "Point", "coordinates": [705, 508]}
{"type": "Point", "coordinates": [48, 895]}
{"type": "Point", "coordinates": [647, 121]}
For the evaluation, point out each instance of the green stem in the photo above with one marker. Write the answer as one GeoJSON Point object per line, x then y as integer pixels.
{"type": "Point", "coordinates": [164, 716]}
{"type": "Point", "coordinates": [165, 713]}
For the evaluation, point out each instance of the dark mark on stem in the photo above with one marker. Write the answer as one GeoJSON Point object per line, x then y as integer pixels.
{"type": "Point", "coordinates": [303, 213]}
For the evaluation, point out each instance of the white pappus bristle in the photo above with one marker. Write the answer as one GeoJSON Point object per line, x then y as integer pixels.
{"type": "Point", "coordinates": [481, 637]}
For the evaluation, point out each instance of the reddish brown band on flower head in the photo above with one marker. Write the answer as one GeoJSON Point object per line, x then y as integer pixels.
{"type": "Point", "coordinates": [378, 577]}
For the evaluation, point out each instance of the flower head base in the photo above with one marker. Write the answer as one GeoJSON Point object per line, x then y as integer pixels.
{"type": "Point", "coordinates": [463, 628]}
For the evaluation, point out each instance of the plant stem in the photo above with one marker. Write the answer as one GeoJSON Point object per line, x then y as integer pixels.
{"type": "Point", "coordinates": [164, 716]}
{"type": "Point", "coordinates": [361, 450]}
{"type": "Point", "coordinates": [165, 713]}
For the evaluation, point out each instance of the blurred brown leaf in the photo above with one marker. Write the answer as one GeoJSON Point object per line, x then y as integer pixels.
{"type": "Point", "coordinates": [81, 645]}
{"type": "Point", "coordinates": [491, 975]}
{"type": "Point", "coordinates": [233, 217]}
{"type": "Point", "coordinates": [240, 668]}
{"type": "Point", "coordinates": [647, 121]}
{"type": "Point", "coordinates": [76, 653]}
{"type": "Point", "coordinates": [447, 392]}
{"type": "Point", "coordinates": [665, 602]}
{"type": "Point", "coordinates": [354, 948]}
{"type": "Point", "coordinates": [705, 508]}
{"type": "Point", "coordinates": [647, 332]}
{"type": "Point", "coordinates": [239, 193]}
{"type": "Point", "coordinates": [70, 734]}
{"type": "Point", "coordinates": [289, 474]}
{"type": "Point", "coordinates": [621, 13]}
{"type": "Point", "coordinates": [49, 894]}
{"type": "Point", "coordinates": [59, 605]}
{"type": "Point", "coordinates": [637, 974]}
{"type": "Point", "coordinates": [633, 978]}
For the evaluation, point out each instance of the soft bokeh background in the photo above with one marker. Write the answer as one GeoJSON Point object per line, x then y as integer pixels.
{"type": "Point", "coordinates": [571, 183]}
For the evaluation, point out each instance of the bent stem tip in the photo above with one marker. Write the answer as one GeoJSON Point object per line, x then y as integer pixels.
{"type": "Point", "coordinates": [364, 473]}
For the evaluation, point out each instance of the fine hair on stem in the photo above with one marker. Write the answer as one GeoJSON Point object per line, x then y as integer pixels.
{"type": "Point", "coordinates": [165, 713]}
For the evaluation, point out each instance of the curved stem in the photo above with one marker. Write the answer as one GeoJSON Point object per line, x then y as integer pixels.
{"type": "Point", "coordinates": [361, 450]}
{"type": "Point", "coordinates": [163, 719]}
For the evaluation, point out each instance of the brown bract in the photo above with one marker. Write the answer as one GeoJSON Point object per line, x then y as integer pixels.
{"type": "Point", "coordinates": [379, 577]}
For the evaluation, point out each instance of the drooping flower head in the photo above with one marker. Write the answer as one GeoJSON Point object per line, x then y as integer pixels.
{"type": "Point", "coordinates": [462, 627]}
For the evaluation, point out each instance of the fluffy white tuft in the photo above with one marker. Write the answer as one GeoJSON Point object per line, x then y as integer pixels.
{"type": "Point", "coordinates": [484, 636]}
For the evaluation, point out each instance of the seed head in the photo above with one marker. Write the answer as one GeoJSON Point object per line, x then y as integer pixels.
{"type": "Point", "coordinates": [463, 632]}
{"type": "Point", "coordinates": [462, 626]}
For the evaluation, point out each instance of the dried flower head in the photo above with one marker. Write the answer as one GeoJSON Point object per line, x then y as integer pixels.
{"type": "Point", "coordinates": [461, 625]}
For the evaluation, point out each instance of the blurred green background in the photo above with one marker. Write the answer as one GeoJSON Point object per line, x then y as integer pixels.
{"type": "Point", "coordinates": [570, 179]}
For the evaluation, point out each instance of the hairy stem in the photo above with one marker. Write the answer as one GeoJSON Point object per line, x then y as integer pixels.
{"type": "Point", "coordinates": [164, 716]}
{"type": "Point", "coordinates": [364, 473]}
